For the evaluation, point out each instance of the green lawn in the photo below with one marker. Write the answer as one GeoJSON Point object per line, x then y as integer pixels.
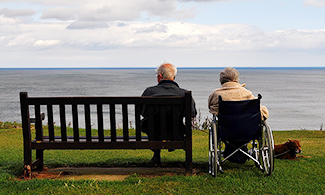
{"type": "Point", "coordinates": [305, 176]}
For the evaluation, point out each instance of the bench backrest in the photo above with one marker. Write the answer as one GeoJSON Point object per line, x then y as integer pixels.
{"type": "Point", "coordinates": [93, 106]}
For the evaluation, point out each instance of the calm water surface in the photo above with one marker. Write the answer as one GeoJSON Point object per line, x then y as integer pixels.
{"type": "Point", "coordinates": [294, 97]}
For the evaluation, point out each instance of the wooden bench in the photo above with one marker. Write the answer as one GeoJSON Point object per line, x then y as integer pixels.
{"type": "Point", "coordinates": [87, 107]}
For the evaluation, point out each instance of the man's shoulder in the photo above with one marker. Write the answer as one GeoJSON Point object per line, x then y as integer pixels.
{"type": "Point", "coordinates": [163, 89]}
{"type": "Point", "coordinates": [149, 91]}
{"type": "Point", "coordinates": [151, 88]}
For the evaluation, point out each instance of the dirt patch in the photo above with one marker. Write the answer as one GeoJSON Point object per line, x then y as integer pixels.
{"type": "Point", "coordinates": [110, 174]}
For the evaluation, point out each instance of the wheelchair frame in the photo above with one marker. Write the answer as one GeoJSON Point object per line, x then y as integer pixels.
{"type": "Point", "coordinates": [262, 151]}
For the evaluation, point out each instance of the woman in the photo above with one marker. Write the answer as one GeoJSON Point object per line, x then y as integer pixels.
{"type": "Point", "coordinates": [232, 90]}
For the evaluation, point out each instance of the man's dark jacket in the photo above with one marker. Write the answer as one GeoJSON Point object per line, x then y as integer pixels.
{"type": "Point", "coordinates": [166, 88]}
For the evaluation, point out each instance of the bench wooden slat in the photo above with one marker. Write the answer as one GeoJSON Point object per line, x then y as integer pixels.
{"type": "Point", "coordinates": [50, 122]}
{"type": "Point", "coordinates": [163, 123]}
{"type": "Point", "coordinates": [125, 122]}
{"type": "Point", "coordinates": [39, 136]}
{"type": "Point", "coordinates": [88, 122]}
{"type": "Point", "coordinates": [100, 122]}
{"type": "Point", "coordinates": [176, 126]}
{"type": "Point", "coordinates": [38, 123]}
{"type": "Point", "coordinates": [63, 122]}
{"type": "Point", "coordinates": [75, 122]}
{"type": "Point", "coordinates": [137, 122]}
{"type": "Point", "coordinates": [151, 122]}
{"type": "Point", "coordinates": [113, 121]}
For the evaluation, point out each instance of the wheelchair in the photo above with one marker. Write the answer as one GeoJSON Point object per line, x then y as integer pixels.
{"type": "Point", "coordinates": [238, 134]}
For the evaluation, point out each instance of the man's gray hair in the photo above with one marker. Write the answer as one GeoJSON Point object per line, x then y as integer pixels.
{"type": "Point", "coordinates": [167, 70]}
{"type": "Point", "coordinates": [229, 74]}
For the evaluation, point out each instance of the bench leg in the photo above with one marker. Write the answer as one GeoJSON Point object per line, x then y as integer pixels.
{"type": "Point", "coordinates": [40, 159]}
{"type": "Point", "coordinates": [188, 162]}
{"type": "Point", "coordinates": [27, 171]}
{"type": "Point", "coordinates": [27, 163]}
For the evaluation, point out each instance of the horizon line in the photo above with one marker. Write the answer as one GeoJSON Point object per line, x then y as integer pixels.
{"type": "Point", "coordinates": [71, 68]}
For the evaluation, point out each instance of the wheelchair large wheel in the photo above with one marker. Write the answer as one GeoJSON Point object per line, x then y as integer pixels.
{"type": "Point", "coordinates": [267, 150]}
{"type": "Point", "coordinates": [213, 151]}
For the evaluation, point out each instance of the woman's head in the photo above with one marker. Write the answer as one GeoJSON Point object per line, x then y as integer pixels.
{"type": "Point", "coordinates": [229, 75]}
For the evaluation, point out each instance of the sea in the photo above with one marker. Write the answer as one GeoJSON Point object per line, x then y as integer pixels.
{"type": "Point", "coordinates": [295, 97]}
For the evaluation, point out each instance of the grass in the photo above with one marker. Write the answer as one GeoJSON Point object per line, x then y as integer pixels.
{"type": "Point", "coordinates": [305, 176]}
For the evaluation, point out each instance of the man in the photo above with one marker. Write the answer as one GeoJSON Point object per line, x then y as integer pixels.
{"type": "Point", "coordinates": [166, 86]}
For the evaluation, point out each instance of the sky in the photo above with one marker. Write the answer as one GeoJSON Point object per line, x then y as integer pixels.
{"type": "Point", "coordinates": [147, 33]}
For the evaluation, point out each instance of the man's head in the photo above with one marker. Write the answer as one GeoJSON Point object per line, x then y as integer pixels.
{"type": "Point", "coordinates": [229, 75]}
{"type": "Point", "coordinates": [166, 71]}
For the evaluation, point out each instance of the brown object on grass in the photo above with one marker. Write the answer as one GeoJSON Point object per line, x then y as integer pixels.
{"type": "Point", "coordinates": [288, 150]}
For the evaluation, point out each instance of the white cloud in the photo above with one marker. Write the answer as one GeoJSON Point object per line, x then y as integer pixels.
{"type": "Point", "coordinates": [19, 40]}
{"type": "Point", "coordinates": [316, 3]}
{"type": "Point", "coordinates": [155, 28]}
{"type": "Point", "coordinates": [46, 42]}
{"type": "Point", "coordinates": [126, 10]}
{"type": "Point", "coordinates": [61, 13]}
{"type": "Point", "coordinates": [105, 35]}
{"type": "Point", "coordinates": [9, 21]}
{"type": "Point", "coordinates": [83, 31]}
{"type": "Point", "coordinates": [12, 13]}
{"type": "Point", "coordinates": [88, 25]}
